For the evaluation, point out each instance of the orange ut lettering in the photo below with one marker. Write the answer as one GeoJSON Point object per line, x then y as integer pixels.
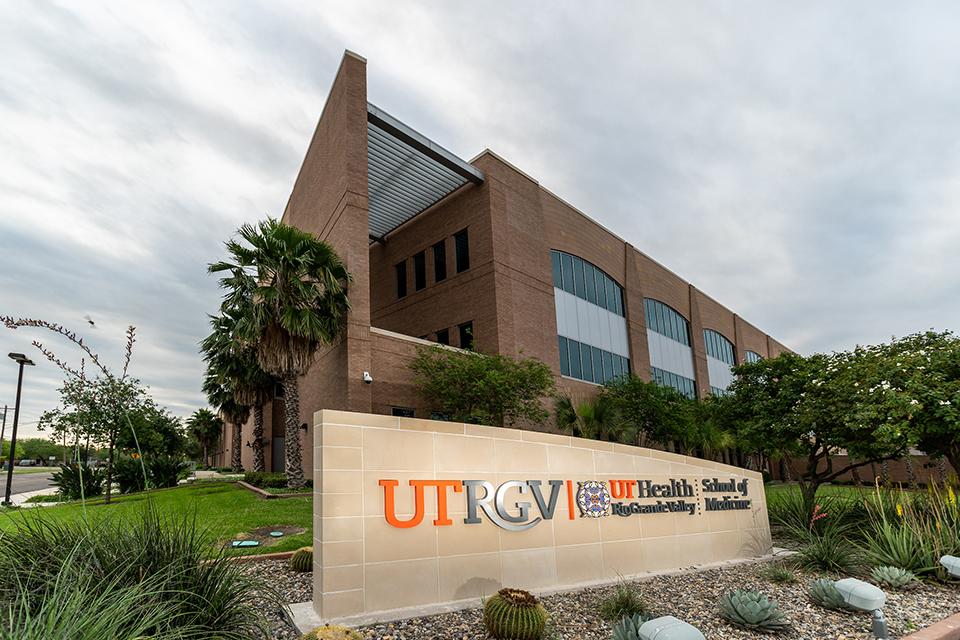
{"type": "Point", "coordinates": [389, 507]}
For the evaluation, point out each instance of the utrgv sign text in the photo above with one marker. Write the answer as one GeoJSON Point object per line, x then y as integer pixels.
{"type": "Point", "coordinates": [592, 497]}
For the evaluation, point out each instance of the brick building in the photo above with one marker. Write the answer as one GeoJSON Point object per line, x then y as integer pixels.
{"type": "Point", "coordinates": [441, 249]}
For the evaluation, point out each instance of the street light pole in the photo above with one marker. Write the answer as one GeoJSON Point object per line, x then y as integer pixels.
{"type": "Point", "coordinates": [21, 360]}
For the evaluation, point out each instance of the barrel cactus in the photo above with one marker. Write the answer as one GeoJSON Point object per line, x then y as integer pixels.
{"type": "Point", "coordinates": [822, 592]}
{"type": "Point", "coordinates": [751, 610]}
{"type": "Point", "coordinates": [332, 633]}
{"type": "Point", "coordinates": [513, 614]}
{"type": "Point", "coordinates": [629, 627]}
{"type": "Point", "coordinates": [302, 559]}
{"type": "Point", "coordinates": [893, 577]}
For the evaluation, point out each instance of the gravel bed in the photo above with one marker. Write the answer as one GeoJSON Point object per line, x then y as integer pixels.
{"type": "Point", "coordinates": [691, 596]}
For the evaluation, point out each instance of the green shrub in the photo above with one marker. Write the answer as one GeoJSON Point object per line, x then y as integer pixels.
{"type": "Point", "coordinates": [206, 596]}
{"type": "Point", "coordinates": [165, 472]}
{"type": "Point", "coordinates": [625, 601]}
{"type": "Point", "coordinates": [265, 480]}
{"type": "Point", "coordinates": [69, 477]}
{"type": "Point", "coordinates": [128, 473]}
{"type": "Point", "coordinates": [87, 612]}
{"type": "Point", "coordinates": [779, 572]}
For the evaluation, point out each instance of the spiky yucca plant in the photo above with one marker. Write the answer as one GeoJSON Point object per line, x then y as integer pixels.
{"type": "Point", "coordinates": [629, 627]}
{"type": "Point", "coordinates": [332, 633]}
{"type": "Point", "coordinates": [823, 593]}
{"type": "Point", "coordinates": [893, 577]}
{"type": "Point", "coordinates": [302, 559]}
{"type": "Point", "coordinates": [514, 614]}
{"type": "Point", "coordinates": [752, 610]}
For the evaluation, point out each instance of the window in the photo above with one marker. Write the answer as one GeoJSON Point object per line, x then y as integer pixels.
{"type": "Point", "coordinates": [753, 356]}
{"type": "Point", "coordinates": [419, 271]}
{"type": "Point", "coordinates": [443, 336]}
{"type": "Point", "coordinates": [564, 358]}
{"type": "Point", "coordinates": [719, 347]}
{"type": "Point", "coordinates": [403, 412]}
{"type": "Point", "coordinates": [439, 262]}
{"type": "Point", "coordinates": [684, 385]}
{"type": "Point", "coordinates": [466, 335]}
{"type": "Point", "coordinates": [439, 415]}
{"type": "Point", "coordinates": [587, 282]}
{"type": "Point", "coordinates": [278, 390]}
{"type": "Point", "coordinates": [462, 246]}
{"type": "Point", "coordinates": [401, 280]}
{"type": "Point", "coordinates": [666, 321]}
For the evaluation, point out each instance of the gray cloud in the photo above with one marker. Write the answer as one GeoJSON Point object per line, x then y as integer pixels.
{"type": "Point", "coordinates": [799, 162]}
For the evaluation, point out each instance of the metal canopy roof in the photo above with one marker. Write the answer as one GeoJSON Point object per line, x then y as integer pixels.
{"type": "Point", "coordinates": [407, 172]}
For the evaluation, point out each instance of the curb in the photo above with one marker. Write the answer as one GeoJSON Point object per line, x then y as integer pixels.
{"type": "Point", "coordinates": [266, 495]}
{"type": "Point", "coordinates": [946, 629]}
{"type": "Point", "coordinates": [283, 555]}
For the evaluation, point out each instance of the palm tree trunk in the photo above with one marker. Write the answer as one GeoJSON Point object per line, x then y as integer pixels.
{"type": "Point", "coordinates": [236, 463]}
{"type": "Point", "coordinates": [292, 455]}
{"type": "Point", "coordinates": [885, 472]}
{"type": "Point", "coordinates": [942, 469]}
{"type": "Point", "coordinates": [856, 473]}
{"type": "Point", "coordinates": [206, 457]}
{"type": "Point", "coordinates": [911, 471]}
{"type": "Point", "coordinates": [258, 465]}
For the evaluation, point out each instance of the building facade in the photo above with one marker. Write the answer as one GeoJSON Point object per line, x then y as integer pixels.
{"type": "Point", "coordinates": [445, 251]}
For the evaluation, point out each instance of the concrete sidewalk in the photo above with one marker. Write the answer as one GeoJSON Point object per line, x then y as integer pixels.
{"type": "Point", "coordinates": [19, 498]}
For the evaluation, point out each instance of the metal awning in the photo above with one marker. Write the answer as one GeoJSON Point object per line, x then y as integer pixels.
{"type": "Point", "coordinates": [407, 172]}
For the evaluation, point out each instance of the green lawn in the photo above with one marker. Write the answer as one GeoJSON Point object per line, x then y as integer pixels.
{"type": "Point", "coordinates": [225, 509]}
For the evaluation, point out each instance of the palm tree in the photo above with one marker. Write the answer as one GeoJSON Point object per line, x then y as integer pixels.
{"type": "Point", "coordinates": [221, 395]}
{"type": "Point", "coordinates": [236, 362]}
{"type": "Point", "coordinates": [205, 427]}
{"type": "Point", "coordinates": [296, 287]}
{"type": "Point", "coordinates": [595, 419]}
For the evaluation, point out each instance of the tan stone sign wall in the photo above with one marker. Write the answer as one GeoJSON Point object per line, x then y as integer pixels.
{"type": "Point", "coordinates": [412, 512]}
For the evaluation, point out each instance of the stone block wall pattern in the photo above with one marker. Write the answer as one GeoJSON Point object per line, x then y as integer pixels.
{"type": "Point", "coordinates": [401, 516]}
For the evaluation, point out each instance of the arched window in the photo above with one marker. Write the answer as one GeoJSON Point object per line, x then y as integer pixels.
{"type": "Point", "coordinates": [720, 357]}
{"type": "Point", "coordinates": [753, 356]}
{"type": "Point", "coordinates": [668, 338]}
{"type": "Point", "coordinates": [591, 321]}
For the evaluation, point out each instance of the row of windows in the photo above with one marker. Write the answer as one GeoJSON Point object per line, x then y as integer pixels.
{"type": "Point", "coordinates": [581, 361]}
{"type": "Point", "coordinates": [461, 246]}
{"type": "Point", "coordinates": [719, 347]}
{"type": "Point", "coordinates": [406, 412]}
{"type": "Point", "coordinates": [717, 391]}
{"type": "Point", "coordinates": [585, 281]}
{"type": "Point", "coordinates": [666, 321]}
{"type": "Point", "coordinates": [686, 386]}
{"type": "Point", "coordinates": [464, 333]}
{"type": "Point", "coordinates": [753, 356]}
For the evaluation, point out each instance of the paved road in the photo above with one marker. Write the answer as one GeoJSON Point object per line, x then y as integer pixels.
{"type": "Point", "coordinates": [24, 482]}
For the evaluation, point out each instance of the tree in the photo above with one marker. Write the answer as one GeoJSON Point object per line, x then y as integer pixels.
{"type": "Point", "coordinates": [292, 289]}
{"type": "Point", "coordinates": [221, 395]}
{"type": "Point", "coordinates": [597, 419]}
{"type": "Point", "coordinates": [913, 385]}
{"type": "Point", "coordinates": [236, 361]}
{"type": "Point", "coordinates": [38, 448]}
{"type": "Point", "coordinates": [483, 388]}
{"type": "Point", "coordinates": [808, 408]}
{"type": "Point", "coordinates": [205, 427]}
{"type": "Point", "coordinates": [658, 413]}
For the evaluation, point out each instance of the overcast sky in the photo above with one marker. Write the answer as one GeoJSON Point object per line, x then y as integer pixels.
{"type": "Point", "coordinates": [797, 161]}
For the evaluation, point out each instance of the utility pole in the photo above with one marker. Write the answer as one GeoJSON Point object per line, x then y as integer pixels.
{"type": "Point", "coordinates": [2, 429]}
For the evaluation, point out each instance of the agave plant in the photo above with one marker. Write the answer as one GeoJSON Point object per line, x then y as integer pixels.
{"type": "Point", "coordinates": [629, 627]}
{"type": "Point", "coordinates": [823, 593]}
{"type": "Point", "coordinates": [752, 610]}
{"type": "Point", "coordinates": [892, 577]}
